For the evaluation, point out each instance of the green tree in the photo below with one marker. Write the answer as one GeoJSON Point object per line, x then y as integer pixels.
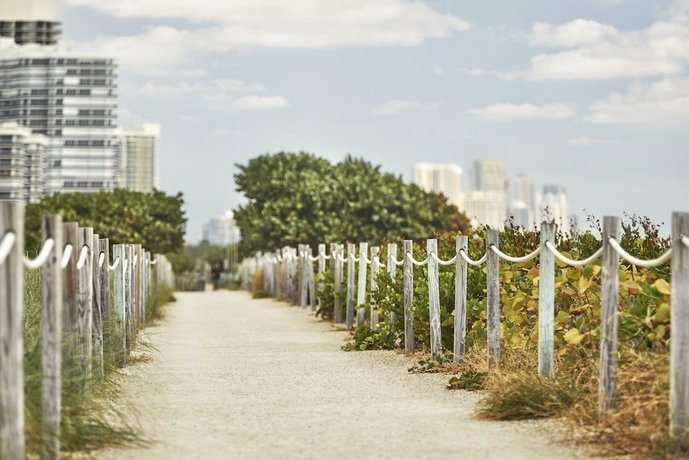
{"type": "Point", "coordinates": [300, 198]}
{"type": "Point", "coordinates": [154, 219]}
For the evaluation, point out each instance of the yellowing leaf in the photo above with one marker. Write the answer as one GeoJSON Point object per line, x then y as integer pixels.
{"type": "Point", "coordinates": [662, 286]}
{"type": "Point", "coordinates": [584, 284]}
{"type": "Point", "coordinates": [663, 313]}
{"type": "Point", "coordinates": [573, 336]}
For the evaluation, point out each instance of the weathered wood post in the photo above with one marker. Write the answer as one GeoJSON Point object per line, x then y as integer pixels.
{"type": "Point", "coordinates": [679, 345]}
{"type": "Point", "coordinates": [70, 309]}
{"type": "Point", "coordinates": [607, 391]}
{"type": "Point", "coordinates": [337, 264]}
{"type": "Point", "coordinates": [119, 298]}
{"type": "Point", "coordinates": [460, 330]}
{"type": "Point", "coordinates": [546, 303]}
{"type": "Point", "coordinates": [392, 271]}
{"type": "Point", "coordinates": [128, 292]}
{"type": "Point", "coordinates": [493, 298]}
{"type": "Point", "coordinates": [105, 294]}
{"type": "Point", "coordinates": [12, 334]}
{"type": "Point", "coordinates": [374, 287]}
{"type": "Point", "coordinates": [350, 285]}
{"type": "Point", "coordinates": [303, 276]}
{"type": "Point", "coordinates": [310, 274]}
{"type": "Point", "coordinates": [321, 271]}
{"type": "Point", "coordinates": [138, 309]}
{"type": "Point", "coordinates": [433, 297]}
{"type": "Point", "coordinates": [85, 304]}
{"type": "Point", "coordinates": [51, 340]}
{"type": "Point", "coordinates": [96, 309]}
{"type": "Point", "coordinates": [409, 341]}
{"type": "Point", "coordinates": [361, 285]}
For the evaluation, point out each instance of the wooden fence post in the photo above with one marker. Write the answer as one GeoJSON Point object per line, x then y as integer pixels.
{"type": "Point", "coordinates": [392, 271]}
{"type": "Point", "coordinates": [70, 309]}
{"type": "Point", "coordinates": [433, 297]}
{"type": "Point", "coordinates": [460, 332]}
{"type": "Point", "coordinates": [12, 334]}
{"type": "Point", "coordinates": [374, 287]}
{"type": "Point", "coordinates": [51, 340]}
{"type": "Point", "coordinates": [679, 345]}
{"type": "Point", "coordinates": [409, 341]}
{"type": "Point", "coordinates": [361, 285]}
{"type": "Point", "coordinates": [321, 271]}
{"type": "Point", "coordinates": [105, 294]}
{"type": "Point", "coordinates": [350, 285]}
{"type": "Point", "coordinates": [97, 308]}
{"type": "Point", "coordinates": [119, 297]}
{"type": "Point", "coordinates": [493, 298]}
{"type": "Point", "coordinates": [129, 299]}
{"type": "Point", "coordinates": [546, 303]}
{"type": "Point", "coordinates": [607, 392]}
{"type": "Point", "coordinates": [85, 305]}
{"type": "Point", "coordinates": [303, 276]}
{"type": "Point", "coordinates": [337, 264]}
{"type": "Point", "coordinates": [312, 283]}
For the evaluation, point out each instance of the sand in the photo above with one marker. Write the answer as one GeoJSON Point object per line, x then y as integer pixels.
{"type": "Point", "coordinates": [237, 378]}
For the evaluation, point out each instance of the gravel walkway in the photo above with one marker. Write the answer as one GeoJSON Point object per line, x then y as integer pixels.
{"type": "Point", "coordinates": [239, 378]}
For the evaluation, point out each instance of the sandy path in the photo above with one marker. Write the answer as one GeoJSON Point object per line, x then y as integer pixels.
{"type": "Point", "coordinates": [239, 378]}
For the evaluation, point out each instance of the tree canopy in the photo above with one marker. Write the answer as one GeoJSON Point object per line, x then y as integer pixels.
{"type": "Point", "coordinates": [300, 198]}
{"type": "Point", "coordinates": [154, 219]}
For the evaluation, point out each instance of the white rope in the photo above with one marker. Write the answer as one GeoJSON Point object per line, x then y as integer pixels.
{"type": "Point", "coordinates": [338, 257]}
{"type": "Point", "coordinates": [6, 246]}
{"type": "Point", "coordinates": [66, 255]}
{"type": "Point", "coordinates": [416, 262]}
{"type": "Point", "coordinates": [115, 264]}
{"type": "Point", "coordinates": [154, 261]}
{"type": "Point", "coordinates": [639, 262]}
{"type": "Point", "coordinates": [279, 258]}
{"type": "Point", "coordinates": [313, 258]}
{"type": "Point", "coordinates": [398, 262]}
{"type": "Point", "coordinates": [325, 256]}
{"type": "Point", "coordinates": [101, 259]}
{"type": "Point", "coordinates": [468, 260]}
{"type": "Point", "coordinates": [378, 262]}
{"type": "Point", "coordinates": [354, 258]}
{"type": "Point", "coordinates": [575, 263]}
{"type": "Point", "coordinates": [516, 260]}
{"type": "Point", "coordinates": [685, 240]}
{"type": "Point", "coordinates": [443, 262]}
{"type": "Point", "coordinates": [82, 257]}
{"type": "Point", "coordinates": [367, 261]}
{"type": "Point", "coordinates": [42, 256]}
{"type": "Point", "coordinates": [135, 260]}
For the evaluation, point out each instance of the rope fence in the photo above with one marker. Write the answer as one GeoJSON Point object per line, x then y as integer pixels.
{"type": "Point", "coordinates": [76, 303]}
{"type": "Point", "coordinates": [287, 275]}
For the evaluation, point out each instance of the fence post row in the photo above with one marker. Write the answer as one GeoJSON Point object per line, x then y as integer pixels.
{"type": "Point", "coordinates": [493, 297]}
{"type": "Point", "coordinates": [350, 286]}
{"type": "Point", "coordinates": [408, 289]}
{"type": "Point", "coordinates": [433, 296]}
{"type": "Point", "coordinates": [336, 251]}
{"type": "Point", "coordinates": [374, 287]}
{"type": "Point", "coordinates": [392, 271]}
{"type": "Point", "coordinates": [459, 345]}
{"type": "Point", "coordinates": [361, 285]}
{"type": "Point", "coordinates": [75, 308]}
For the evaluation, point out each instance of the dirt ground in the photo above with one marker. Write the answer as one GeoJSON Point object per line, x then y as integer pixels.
{"type": "Point", "coordinates": [236, 378]}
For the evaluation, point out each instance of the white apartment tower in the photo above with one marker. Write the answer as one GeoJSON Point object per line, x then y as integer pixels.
{"type": "Point", "coordinates": [487, 203]}
{"type": "Point", "coordinates": [140, 157]}
{"type": "Point", "coordinates": [221, 231]}
{"type": "Point", "coordinates": [22, 163]}
{"type": "Point", "coordinates": [441, 178]}
{"type": "Point", "coordinates": [554, 207]}
{"type": "Point", "coordinates": [68, 98]}
{"type": "Point", "coordinates": [523, 206]}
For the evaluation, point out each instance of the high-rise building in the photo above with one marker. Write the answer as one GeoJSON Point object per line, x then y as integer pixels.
{"type": "Point", "coordinates": [523, 205]}
{"type": "Point", "coordinates": [71, 99]}
{"type": "Point", "coordinates": [221, 231]}
{"type": "Point", "coordinates": [487, 203]}
{"type": "Point", "coordinates": [22, 163]}
{"type": "Point", "coordinates": [554, 208]}
{"type": "Point", "coordinates": [441, 178]}
{"type": "Point", "coordinates": [140, 146]}
{"type": "Point", "coordinates": [29, 21]}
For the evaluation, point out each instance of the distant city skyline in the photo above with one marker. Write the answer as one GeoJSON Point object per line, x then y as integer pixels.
{"type": "Point", "coordinates": [590, 95]}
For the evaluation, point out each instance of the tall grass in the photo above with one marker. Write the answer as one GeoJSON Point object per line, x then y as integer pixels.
{"type": "Point", "coordinates": [91, 419]}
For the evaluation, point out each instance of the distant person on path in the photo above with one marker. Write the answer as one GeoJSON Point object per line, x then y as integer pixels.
{"type": "Point", "coordinates": [216, 270]}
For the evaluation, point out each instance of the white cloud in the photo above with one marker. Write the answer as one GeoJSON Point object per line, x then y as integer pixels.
{"type": "Point", "coordinates": [663, 104]}
{"type": "Point", "coordinates": [241, 24]}
{"type": "Point", "coordinates": [397, 105]}
{"type": "Point", "coordinates": [586, 141]}
{"type": "Point", "coordinates": [511, 112]}
{"type": "Point", "coordinates": [573, 33]}
{"type": "Point", "coordinates": [260, 102]}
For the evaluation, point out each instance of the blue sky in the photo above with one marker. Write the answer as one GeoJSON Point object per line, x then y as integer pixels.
{"type": "Point", "coordinates": [590, 94]}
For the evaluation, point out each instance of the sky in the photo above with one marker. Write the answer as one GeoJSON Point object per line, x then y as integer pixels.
{"type": "Point", "coordinates": [589, 94]}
